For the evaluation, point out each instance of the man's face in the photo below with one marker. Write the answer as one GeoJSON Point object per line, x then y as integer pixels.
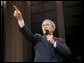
{"type": "Point", "coordinates": [47, 26]}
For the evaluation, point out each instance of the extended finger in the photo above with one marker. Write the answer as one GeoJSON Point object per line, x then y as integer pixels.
{"type": "Point", "coordinates": [15, 7]}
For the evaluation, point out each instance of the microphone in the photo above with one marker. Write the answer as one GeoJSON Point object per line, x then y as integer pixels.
{"type": "Point", "coordinates": [46, 32]}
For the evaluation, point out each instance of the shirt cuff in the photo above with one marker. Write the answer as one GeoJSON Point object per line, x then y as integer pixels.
{"type": "Point", "coordinates": [21, 23]}
{"type": "Point", "coordinates": [54, 44]}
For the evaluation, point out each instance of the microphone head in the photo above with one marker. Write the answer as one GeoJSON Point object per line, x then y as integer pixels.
{"type": "Point", "coordinates": [46, 32]}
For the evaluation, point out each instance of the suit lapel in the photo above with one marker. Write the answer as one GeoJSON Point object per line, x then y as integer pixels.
{"type": "Point", "coordinates": [46, 43]}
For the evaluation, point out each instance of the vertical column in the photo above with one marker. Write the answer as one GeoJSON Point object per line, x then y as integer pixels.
{"type": "Point", "coordinates": [27, 45]}
{"type": "Point", "coordinates": [13, 37]}
{"type": "Point", "coordinates": [60, 19]}
{"type": "Point", "coordinates": [17, 47]}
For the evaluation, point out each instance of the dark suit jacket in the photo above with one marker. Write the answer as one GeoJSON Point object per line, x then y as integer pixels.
{"type": "Point", "coordinates": [45, 52]}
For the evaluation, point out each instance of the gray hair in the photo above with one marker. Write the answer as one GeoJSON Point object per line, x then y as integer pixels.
{"type": "Point", "coordinates": [52, 23]}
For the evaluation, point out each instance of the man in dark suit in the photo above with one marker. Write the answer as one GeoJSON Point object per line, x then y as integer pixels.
{"type": "Point", "coordinates": [47, 47]}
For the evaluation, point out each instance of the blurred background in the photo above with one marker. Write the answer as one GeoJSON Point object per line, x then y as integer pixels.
{"type": "Point", "coordinates": [67, 15]}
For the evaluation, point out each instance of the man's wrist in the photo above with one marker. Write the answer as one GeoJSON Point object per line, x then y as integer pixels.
{"type": "Point", "coordinates": [21, 23]}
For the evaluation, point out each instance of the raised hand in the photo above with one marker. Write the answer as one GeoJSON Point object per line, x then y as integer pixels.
{"type": "Point", "coordinates": [17, 14]}
{"type": "Point", "coordinates": [50, 39]}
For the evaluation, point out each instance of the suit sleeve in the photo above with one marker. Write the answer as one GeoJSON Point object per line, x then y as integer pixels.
{"type": "Point", "coordinates": [62, 48]}
{"type": "Point", "coordinates": [27, 32]}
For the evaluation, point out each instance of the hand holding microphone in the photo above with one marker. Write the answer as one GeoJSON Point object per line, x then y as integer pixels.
{"type": "Point", "coordinates": [46, 32]}
{"type": "Point", "coordinates": [49, 36]}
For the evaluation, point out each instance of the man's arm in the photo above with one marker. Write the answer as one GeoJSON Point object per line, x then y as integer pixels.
{"type": "Point", "coordinates": [59, 45]}
{"type": "Point", "coordinates": [17, 14]}
{"type": "Point", "coordinates": [62, 48]}
{"type": "Point", "coordinates": [21, 23]}
{"type": "Point", "coordinates": [25, 30]}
